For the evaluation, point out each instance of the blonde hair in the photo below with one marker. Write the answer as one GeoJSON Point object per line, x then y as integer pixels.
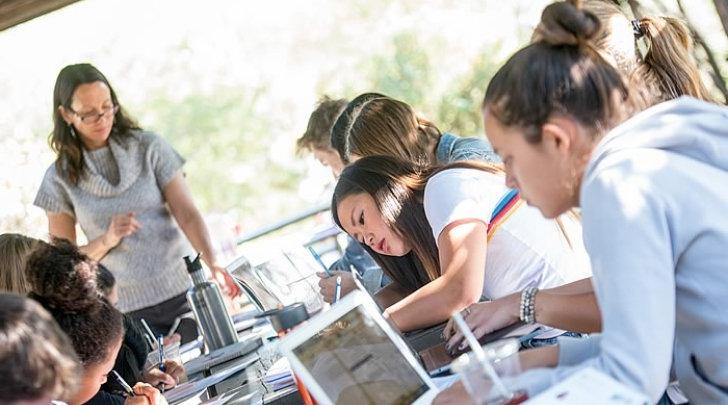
{"type": "Point", "coordinates": [14, 251]}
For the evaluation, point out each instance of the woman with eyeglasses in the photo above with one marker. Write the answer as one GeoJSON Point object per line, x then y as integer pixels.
{"type": "Point", "coordinates": [125, 187]}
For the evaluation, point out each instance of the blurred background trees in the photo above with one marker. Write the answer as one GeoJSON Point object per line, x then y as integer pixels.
{"type": "Point", "coordinates": [230, 84]}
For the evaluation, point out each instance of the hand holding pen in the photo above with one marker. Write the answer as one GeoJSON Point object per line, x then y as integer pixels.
{"type": "Point", "coordinates": [162, 367]}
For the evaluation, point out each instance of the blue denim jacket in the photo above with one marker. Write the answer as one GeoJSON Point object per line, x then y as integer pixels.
{"type": "Point", "coordinates": [453, 148]}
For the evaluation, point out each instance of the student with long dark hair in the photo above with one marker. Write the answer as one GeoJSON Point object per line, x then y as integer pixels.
{"type": "Point", "coordinates": [126, 189]}
{"type": "Point", "coordinates": [374, 124]}
{"type": "Point", "coordinates": [654, 222]}
{"type": "Point", "coordinates": [433, 232]}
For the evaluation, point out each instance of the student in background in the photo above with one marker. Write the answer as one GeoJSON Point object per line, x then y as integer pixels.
{"type": "Point", "coordinates": [653, 217]}
{"type": "Point", "coordinates": [434, 232]}
{"type": "Point", "coordinates": [374, 124]}
{"type": "Point", "coordinates": [317, 140]}
{"type": "Point", "coordinates": [126, 189]}
{"type": "Point", "coordinates": [665, 71]}
{"type": "Point", "coordinates": [63, 281]}
{"type": "Point", "coordinates": [37, 362]}
{"type": "Point", "coordinates": [14, 250]}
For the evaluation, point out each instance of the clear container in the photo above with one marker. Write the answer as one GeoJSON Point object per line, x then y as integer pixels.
{"type": "Point", "coordinates": [503, 357]}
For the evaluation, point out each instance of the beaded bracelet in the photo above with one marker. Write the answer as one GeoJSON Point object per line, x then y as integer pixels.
{"type": "Point", "coordinates": [527, 310]}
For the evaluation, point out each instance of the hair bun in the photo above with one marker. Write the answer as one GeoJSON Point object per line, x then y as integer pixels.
{"type": "Point", "coordinates": [565, 23]}
{"type": "Point", "coordinates": [62, 278]}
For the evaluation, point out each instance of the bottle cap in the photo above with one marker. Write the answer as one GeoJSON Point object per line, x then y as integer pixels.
{"type": "Point", "coordinates": [193, 265]}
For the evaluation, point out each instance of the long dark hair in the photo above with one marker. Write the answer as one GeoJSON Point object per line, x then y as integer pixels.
{"type": "Point", "coordinates": [68, 290]}
{"type": "Point", "coordinates": [397, 187]}
{"type": "Point", "coordinates": [68, 147]}
{"type": "Point", "coordinates": [570, 75]}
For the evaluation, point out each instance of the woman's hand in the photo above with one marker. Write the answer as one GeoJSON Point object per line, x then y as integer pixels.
{"type": "Point", "coordinates": [327, 284]}
{"type": "Point", "coordinates": [225, 281]}
{"type": "Point", "coordinates": [121, 226]}
{"type": "Point", "coordinates": [169, 378]}
{"type": "Point", "coordinates": [455, 395]}
{"type": "Point", "coordinates": [483, 318]}
{"type": "Point", "coordinates": [145, 394]}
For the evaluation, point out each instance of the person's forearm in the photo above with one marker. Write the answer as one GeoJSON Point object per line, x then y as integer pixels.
{"type": "Point", "coordinates": [431, 304]}
{"type": "Point", "coordinates": [389, 295]}
{"type": "Point", "coordinates": [97, 248]}
{"type": "Point", "coordinates": [576, 312]}
{"type": "Point", "coordinates": [195, 229]}
{"type": "Point", "coordinates": [541, 357]}
{"type": "Point", "coordinates": [576, 287]}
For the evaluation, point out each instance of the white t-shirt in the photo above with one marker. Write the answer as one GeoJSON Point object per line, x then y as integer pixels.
{"type": "Point", "coordinates": [526, 250]}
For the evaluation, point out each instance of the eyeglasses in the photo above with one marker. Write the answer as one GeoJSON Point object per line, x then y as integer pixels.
{"type": "Point", "coordinates": [93, 118]}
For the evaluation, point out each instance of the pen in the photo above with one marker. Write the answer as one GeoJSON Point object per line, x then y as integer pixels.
{"type": "Point", "coordinates": [337, 292]}
{"type": "Point", "coordinates": [318, 259]}
{"type": "Point", "coordinates": [162, 367]}
{"type": "Point", "coordinates": [124, 385]}
{"type": "Point", "coordinates": [160, 343]}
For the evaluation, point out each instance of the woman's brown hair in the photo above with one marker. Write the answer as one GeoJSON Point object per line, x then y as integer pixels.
{"type": "Point", "coordinates": [64, 140]}
{"type": "Point", "coordinates": [14, 251]}
{"type": "Point", "coordinates": [560, 73]}
{"type": "Point", "coordinates": [374, 124]}
{"type": "Point", "coordinates": [666, 70]}
{"type": "Point", "coordinates": [37, 358]}
{"type": "Point", "coordinates": [397, 187]}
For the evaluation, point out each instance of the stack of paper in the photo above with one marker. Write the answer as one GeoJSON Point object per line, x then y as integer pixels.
{"type": "Point", "coordinates": [279, 375]}
{"type": "Point", "coordinates": [194, 388]}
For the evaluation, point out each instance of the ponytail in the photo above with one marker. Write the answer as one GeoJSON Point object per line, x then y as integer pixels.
{"type": "Point", "coordinates": [668, 69]}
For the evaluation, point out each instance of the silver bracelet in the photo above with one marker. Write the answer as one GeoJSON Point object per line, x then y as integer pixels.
{"type": "Point", "coordinates": [527, 310]}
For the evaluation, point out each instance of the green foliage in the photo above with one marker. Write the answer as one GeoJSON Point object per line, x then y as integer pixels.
{"type": "Point", "coordinates": [227, 144]}
{"type": "Point", "coordinates": [405, 74]}
{"type": "Point", "coordinates": [459, 106]}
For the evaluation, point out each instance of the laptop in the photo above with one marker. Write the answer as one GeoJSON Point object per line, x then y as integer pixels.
{"type": "Point", "coordinates": [431, 347]}
{"type": "Point", "coordinates": [351, 355]}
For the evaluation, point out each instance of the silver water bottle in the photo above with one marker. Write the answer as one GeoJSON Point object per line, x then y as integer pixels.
{"type": "Point", "coordinates": [209, 309]}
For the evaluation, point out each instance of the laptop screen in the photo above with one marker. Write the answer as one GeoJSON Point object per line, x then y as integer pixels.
{"type": "Point", "coordinates": [355, 362]}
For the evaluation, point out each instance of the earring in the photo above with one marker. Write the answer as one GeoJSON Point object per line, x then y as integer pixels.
{"type": "Point", "coordinates": [73, 131]}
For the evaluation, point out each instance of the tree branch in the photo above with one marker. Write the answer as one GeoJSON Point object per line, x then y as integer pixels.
{"type": "Point", "coordinates": [722, 7]}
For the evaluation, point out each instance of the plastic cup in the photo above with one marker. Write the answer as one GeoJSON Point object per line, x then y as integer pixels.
{"type": "Point", "coordinates": [503, 355]}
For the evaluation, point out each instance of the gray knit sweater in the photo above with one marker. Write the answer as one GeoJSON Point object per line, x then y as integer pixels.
{"type": "Point", "coordinates": [128, 175]}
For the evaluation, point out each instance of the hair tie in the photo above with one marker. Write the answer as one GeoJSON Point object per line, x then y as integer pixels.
{"type": "Point", "coordinates": [637, 29]}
